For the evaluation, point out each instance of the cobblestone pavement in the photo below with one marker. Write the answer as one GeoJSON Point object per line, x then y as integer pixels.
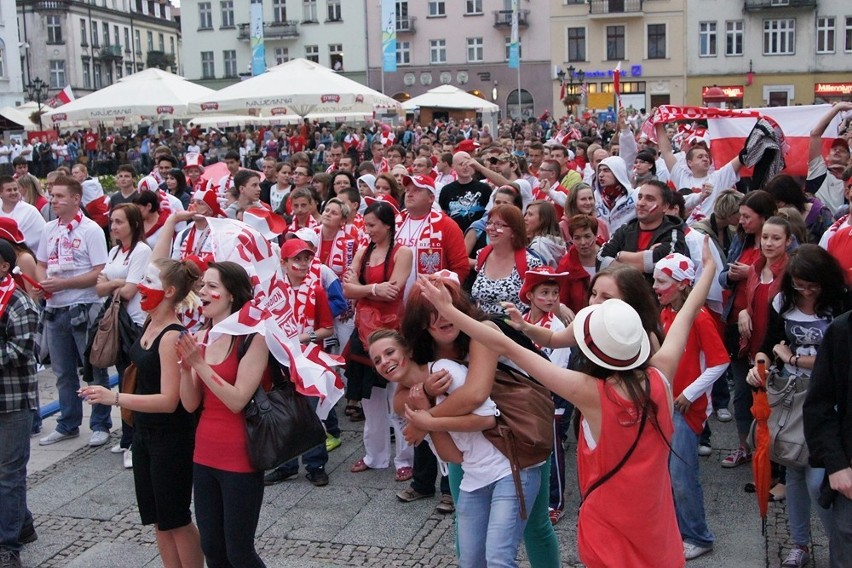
{"type": "Point", "coordinates": [85, 511]}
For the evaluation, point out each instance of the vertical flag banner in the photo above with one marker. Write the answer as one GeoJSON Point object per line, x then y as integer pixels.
{"type": "Point", "coordinates": [389, 36]}
{"type": "Point", "coordinates": [514, 45]}
{"type": "Point", "coordinates": [258, 51]}
{"type": "Point", "coordinates": [616, 85]}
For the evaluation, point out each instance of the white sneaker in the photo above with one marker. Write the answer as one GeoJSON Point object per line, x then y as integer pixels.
{"type": "Point", "coordinates": [56, 436]}
{"type": "Point", "coordinates": [704, 451]}
{"type": "Point", "coordinates": [692, 551]}
{"type": "Point", "coordinates": [128, 459]}
{"type": "Point", "coordinates": [724, 415]}
{"type": "Point", "coordinates": [99, 438]}
{"type": "Point", "coordinates": [116, 449]}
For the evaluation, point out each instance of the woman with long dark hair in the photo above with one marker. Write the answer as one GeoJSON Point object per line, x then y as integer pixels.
{"type": "Point", "coordinates": [220, 379]}
{"type": "Point", "coordinates": [177, 186]}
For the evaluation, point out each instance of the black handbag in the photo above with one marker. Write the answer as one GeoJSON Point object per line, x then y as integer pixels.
{"type": "Point", "coordinates": [280, 424]}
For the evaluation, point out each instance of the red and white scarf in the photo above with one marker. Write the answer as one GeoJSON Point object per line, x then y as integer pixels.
{"type": "Point", "coordinates": [427, 245]}
{"type": "Point", "coordinates": [670, 113]}
{"type": "Point", "coordinates": [7, 288]}
{"type": "Point", "coordinates": [304, 298]}
{"type": "Point", "coordinates": [311, 224]}
{"type": "Point", "coordinates": [63, 250]}
{"type": "Point", "coordinates": [544, 322]}
{"type": "Point", "coordinates": [189, 246]}
{"type": "Point", "coordinates": [341, 254]}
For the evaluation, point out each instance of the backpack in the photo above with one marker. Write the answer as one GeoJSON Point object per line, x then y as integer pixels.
{"type": "Point", "coordinates": [520, 260]}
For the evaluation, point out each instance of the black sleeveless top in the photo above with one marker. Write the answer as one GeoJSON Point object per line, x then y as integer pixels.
{"type": "Point", "coordinates": [148, 372]}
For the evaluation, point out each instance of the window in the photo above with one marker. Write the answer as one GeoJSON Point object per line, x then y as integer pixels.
{"type": "Point", "coordinates": [403, 52]}
{"type": "Point", "coordinates": [312, 53]}
{"type": "Point", "coordinates": [473, 7]}
{"type": "Point", "coordinates": [116, 39]}
{"type": "Point", "coordinates": [84, 35]}
{"type": "Point", "coordinates": [334, 13]}
{"type": "Point", "coordinates": [87, 74]}
{"type": "Point", "coordinates": [137, 41]}
{"type": "Point", "coordinates": [825, 35]}
{"type": "Point", "coordinates": [108, 74]}
{"type": "Point", "coordinates": [161, 42]}
{"type": "Point", "coordinates": [309, 9]}
{"type": "Point", "coordinates": [57, 74]}
{"type": "Point", "coordinates": [106, 33]}
{"type": "Point", "coordinates": [509, 47]}
{"type": "Point", "coordinates": [282, 55]}
{"type": "Point", "coordinates": [576, 44]}
{"type": "Point", "coordinates": [96, 42]}
{"type": "Point", "coordinates": [205, 16]}
{"type": "Point", "coordinates": [848, 42]}
{"type": "Point", "coordinates": [118, 71]}
{"type": "Point", "coordinates": [208, 69]}
{"type": "Point", "coordinates": [150, 41]}
{"type": "Point", "coordinates": [98, 72]}
{"type": "Point", "coordinates": [474, 49]}
{"type": "Point", "coordinates": [734, 37]}
{"type": "Point", "coordinates": [2, 58]}
{"type": "Point", "coordinates": [615, 43]}
{"type": "Point", "coordinates": [172, 45]}
{"type": "Point", "coordinates": [54, 30]}
{"type": "Point", "coordinates": [437, 8]}
{"type": "Point", "coordinates": [128, 68]}
{"type": "Point", "coordinates": [335, 56]}
{"type": "Point", "coordinates": [127, 39]}
{"type": "Point", "coordinates": [437, 51]}
{"type": "Point", "coordinates": [779, 37]}
{"type": "Point", "coordinates": [230, 58]}
{"type": "Point", "coordinates": [279, 11]}
{"type": "Point", "coordinates": [227, 13]}
{"type": "Point", "coordinates": [656, 41]}
{"type": "Point", "coordinates": [707, 39]}
{"type": "Point", "coordinates": [403, 24]}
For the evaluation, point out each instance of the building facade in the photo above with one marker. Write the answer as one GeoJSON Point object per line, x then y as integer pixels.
{"type": "Point", "coordinates": [770, 52]}
{"type": "Point", "coordinates": [465, 43]}
{"type": "Point", "coordinates": [11, 77]}
{"type": "Point", "coordinates": [90, 45]}
{"type": "Point", "coordinates": [645, 36]}
{"type": "Point", "coordinates": [216, 37]}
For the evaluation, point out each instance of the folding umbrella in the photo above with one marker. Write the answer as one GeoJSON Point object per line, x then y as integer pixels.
{"type": "Point", "coordinates": [761, 467]}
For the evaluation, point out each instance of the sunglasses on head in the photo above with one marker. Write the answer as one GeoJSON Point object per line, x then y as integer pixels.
{"type": "Point", "coordinates": [492, 160]}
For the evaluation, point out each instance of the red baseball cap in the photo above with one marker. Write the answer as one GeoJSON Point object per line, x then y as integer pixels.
{"type": "Point", "coordinates": [294, 247]}
{"type": "Point", "coordinates": [424, 182]}
{"type": "Point", "coordinates": [842, 142]}
{"type": "Point", "coordinates": [468, 146]}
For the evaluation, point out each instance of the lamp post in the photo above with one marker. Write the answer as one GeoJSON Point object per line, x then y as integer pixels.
{"type": "Point", "coordinates": [36, 90]}
{"type": "Point", "coordinates": [571, 73]}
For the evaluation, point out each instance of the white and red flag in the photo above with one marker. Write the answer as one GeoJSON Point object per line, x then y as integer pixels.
{"type": "Point", "coordinates": [616, 85]}
{"type": "Point", "coordinates": [64, 96]}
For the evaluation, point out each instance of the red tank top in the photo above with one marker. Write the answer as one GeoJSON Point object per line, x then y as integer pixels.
{"type": "Point", "coordinates": [629, 521]}
{"type": "Point", "coordinates": [220, 438]}
{"type": "Point", "coordinates": [840, 247]}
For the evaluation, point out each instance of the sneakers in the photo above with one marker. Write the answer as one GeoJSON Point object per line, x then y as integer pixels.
{"type": "Point", "coordinates": [797, 558]}
{"type": "Point", "coordinates": [737, 457]}
{"type": "Point", "coordinates": [704, 450]}
{"type": "Point", "coordinates": [99, 438]}
{"type": "Point", "coordinates": [128, 459]}
{"type": "Point", "coordinates": [724, 415]}
{"type": "Point", "coordinates": [10, 559]}
{"type": "Point", "coordinates": [318, 477]}
{"type": "Point", "coordinates": [28, 535]}
{"type": "Point", "coordinates": [692, 551]}
{"type": "Point", "coordinates": [332, 443]}
{"type": "Point", "coordinates": [409, 495]}
{"type": "Point", "coordinates": [446, 505]}
{"type": "Point", "coordinates": [116, 449]}
{"type": "Point", "coordinates": [555, 515]}
{"type": "Point", "coordinates": [56, 436]}
{"type": "Point", "coordinates": [277, 476]}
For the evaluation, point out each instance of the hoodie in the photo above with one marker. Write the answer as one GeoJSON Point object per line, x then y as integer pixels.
{"type": "Point", "coordinates": [624, 209]}
{"type": "Point", "coordinates": [550, 248]}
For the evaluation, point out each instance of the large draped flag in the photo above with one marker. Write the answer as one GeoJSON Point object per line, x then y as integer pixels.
{"type": "Point", "coordinates": [729, 128]}
{"type": "Point", "coordinates": [271, 313]}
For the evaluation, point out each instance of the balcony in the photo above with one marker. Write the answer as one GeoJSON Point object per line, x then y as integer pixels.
{"type": "Point", "coordinates": [615, 8]}
{"type": "Point", "coordinates": [47, 5]}
{"type": "Point", "coordinates": [503, 18]}
{"type": "Point", "coordinates": [271, 30]}
{"type": "Point", "coordinates": [753, 5]}
{"type": "Point", "coordinates": [405, 25]}
{"type": "Point", "coordinates": [111, 52]}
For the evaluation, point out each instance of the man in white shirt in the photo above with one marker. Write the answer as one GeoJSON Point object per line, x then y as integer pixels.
{"type": "Point", "coordinates": [29, 220]}
{"type": "Point", "coordinates": [825, 174]}
{"type": "Point", "coordinates": [5, 160]}
{"type": "Point", "coordinates": [92, 188]}
{"type": "Point", "coordinates": [71, 254]}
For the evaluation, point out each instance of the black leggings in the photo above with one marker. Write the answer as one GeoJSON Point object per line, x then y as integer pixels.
{"type": "Point", "coordinates": [227, 507]}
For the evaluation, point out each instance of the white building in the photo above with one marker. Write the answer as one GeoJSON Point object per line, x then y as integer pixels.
{"type": "Point", "coordinates": [91, 44]}
{"type": "Point", "coordinates": [216, 37]}
{"type": "Point", "coordinates": [770, 52]}
{"type": "Point", "coordinates": [11, 78]}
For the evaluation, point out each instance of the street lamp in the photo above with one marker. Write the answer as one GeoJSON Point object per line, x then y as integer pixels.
{"type": "Point", "coordinates": [571, 73]}
{"type": "Point", "coordinates": [36, 90]}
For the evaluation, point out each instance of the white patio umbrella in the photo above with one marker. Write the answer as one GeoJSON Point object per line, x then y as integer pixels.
{"type": "Point", "coordinates": [21, 114]}
{"type": "Point", "coordinates": [299, 87]}
{"type": "Point", "coordinates": [450, 97]}
{"type": "Point", "coordinates": [150, 94]}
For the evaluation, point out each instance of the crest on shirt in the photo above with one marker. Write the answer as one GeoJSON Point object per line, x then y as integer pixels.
{"type": "Point", "coordinates": [428, 261]}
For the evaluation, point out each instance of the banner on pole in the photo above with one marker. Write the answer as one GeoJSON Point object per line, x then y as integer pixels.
{"type": "Point", "coordinates": [514, 46]}
{"type": "Point", "coordinates": [258, 51]}
{"type": "Point", "coordinates": [389, 36]}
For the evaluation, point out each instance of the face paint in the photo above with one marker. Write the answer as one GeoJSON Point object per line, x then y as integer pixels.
{"type": "Point", "coordinates": [215, 295]}
{"type": "Point", "coordinates": [151, 289]}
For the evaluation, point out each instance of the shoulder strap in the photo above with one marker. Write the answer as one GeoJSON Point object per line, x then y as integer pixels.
{"type": "Point", "coordinates": [521, 262]}
{"type": "Point", "coordinates": [483, 254]}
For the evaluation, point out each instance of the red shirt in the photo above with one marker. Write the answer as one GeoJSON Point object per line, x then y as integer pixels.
{"type": "Point", "coordinates": [90, 141]}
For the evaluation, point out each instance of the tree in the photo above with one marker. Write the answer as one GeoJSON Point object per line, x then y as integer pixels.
{"type": "Point", "coordinates": [160, 60]}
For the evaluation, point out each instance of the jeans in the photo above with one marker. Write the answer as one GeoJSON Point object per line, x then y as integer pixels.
{"type": "Point", "coordinates": [840, 541]}
{"type": "Point", "coordinates": [331, 424]}
{"type": "Point", "coordinates": [686, 485]}
{"type": "Point", "coordinates": [539, 537]}
{"type": "Point", "coordinates": [742, 391]}
{"type": "Point", "coordinates": [227, 508]}
{"type": "Point", "coordinates": [67, 343]}
{"type": "Point", "coordinates": [426, 470]}
{"type": "Point", "coordinates": [494, 511]}
{"type": "Point", "coordinates": [561, 423]}
{"type": "Point", "coordinates": [803, 485]}
{"type": "Point", "coordinates": [14, 454]}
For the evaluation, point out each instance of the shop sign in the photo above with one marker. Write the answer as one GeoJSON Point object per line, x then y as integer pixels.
{"type": "Point", "coordinates": [836, 89]}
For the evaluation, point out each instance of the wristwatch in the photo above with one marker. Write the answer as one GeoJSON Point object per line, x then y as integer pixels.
{"type": "Point", "coordinates": [312, 337]}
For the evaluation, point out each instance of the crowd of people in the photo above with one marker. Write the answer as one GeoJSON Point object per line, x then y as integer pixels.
{"type": "Point", "coordinates": [643, 285]}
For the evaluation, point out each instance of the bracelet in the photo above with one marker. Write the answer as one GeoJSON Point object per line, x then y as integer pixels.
{"type": "Point", "coordinates": [373, 290]}
{"type": "Point", "coordinates": [116, 399]}
{"type": "Point", "coordinates": [790, 360]}
{"type": "Point", "coordinates": [796, 363]}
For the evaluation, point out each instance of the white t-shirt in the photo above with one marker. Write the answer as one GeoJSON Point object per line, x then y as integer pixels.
{"type": "Point", "coordinates": [831, 191]}
{"type": "Point", "coordinates": [276, 196]}
{"type": "Point", "coordinates": [88, 249]}
{"type": "Point", "coordinates": [483, 464]}
{"type": "Point", "coordinates": [200, 246]}
{"type": "Point", "coordinates": [29, 220]}
{"type": "Point", "coordinates": [130, 266]}
{"type": "Point", "coordinates": [721, 179]}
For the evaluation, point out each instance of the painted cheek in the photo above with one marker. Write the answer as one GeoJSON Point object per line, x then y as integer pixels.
{"type": "Point", "coordinates": [215, 295]}
{"type": "Point", "coordinates": [151, 298]}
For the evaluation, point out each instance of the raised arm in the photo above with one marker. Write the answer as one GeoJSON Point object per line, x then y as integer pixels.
{"type": "Point", "coordinates": [665, 146]}
{"type": "Point", "coordinates": [815, 145]}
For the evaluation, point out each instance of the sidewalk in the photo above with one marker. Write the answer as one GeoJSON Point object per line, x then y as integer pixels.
{"type": "Point", "coordinates": [84, 506]}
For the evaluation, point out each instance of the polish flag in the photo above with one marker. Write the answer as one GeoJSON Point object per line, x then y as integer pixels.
{"type": "Point", "coordinates": [64, 96]}
{"type": "Point", "coordinates": [616, 85]}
